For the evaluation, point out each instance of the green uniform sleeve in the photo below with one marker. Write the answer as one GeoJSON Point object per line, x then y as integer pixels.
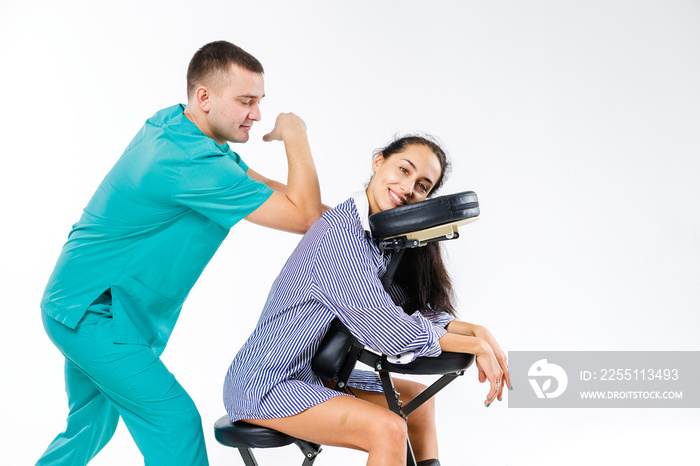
{"type": "Point", "coordinates": [218, 187]}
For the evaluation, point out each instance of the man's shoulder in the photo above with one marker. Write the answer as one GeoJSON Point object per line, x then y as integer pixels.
{"type": "Point", "coordinates": [170, 132]}
{"type": "Point", "coordinates": [167, 116]}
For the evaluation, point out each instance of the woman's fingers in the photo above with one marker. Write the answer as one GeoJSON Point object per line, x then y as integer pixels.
{"type": "Point", "coordinates": [496, 380]}
{"type": "Point", "coordinates": [495, 368]}
{"type": "Point", "coordinates": [490, 369]}
{"type": "Point", "coordinates": [493, 393]}
{"type": "Point", "coordinates": [506, 377]}
{"type": "Point", "coordinates": [482, 375]}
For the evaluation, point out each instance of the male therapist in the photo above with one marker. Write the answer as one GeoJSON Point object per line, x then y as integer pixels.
{"type": "Point", "coordinates": [144, 238]}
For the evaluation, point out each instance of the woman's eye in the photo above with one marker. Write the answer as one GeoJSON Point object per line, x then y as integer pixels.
{"type": "Point", "coordinates": [423, 187]}
{"type": "Point", "coordinates": [403, 170]}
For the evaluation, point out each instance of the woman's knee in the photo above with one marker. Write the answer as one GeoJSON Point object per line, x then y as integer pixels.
{"type": "Point", "coordinates": [397, 429]}
{"type": "Point", "coordinates": [389, 428]}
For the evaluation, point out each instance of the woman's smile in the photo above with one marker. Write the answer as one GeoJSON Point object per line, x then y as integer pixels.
{"type": "Point", "coordinates": [396, 198]}
{"type": "Point", "coordinates": [403, 178]}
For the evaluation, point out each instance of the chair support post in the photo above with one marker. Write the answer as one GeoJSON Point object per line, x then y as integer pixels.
{"type": "Point", "coordinates": [392, 397]}
{"type": "Point", "coordinates": [248, 458]}
{"type": "Point", "coordinates": [429, 392]}
{"type": "Point", "coordinates": [393, 265]}
{"type": "Point", "coordinates": [410, 458]}
{"type": "Point", "coordinates": [310, 451]}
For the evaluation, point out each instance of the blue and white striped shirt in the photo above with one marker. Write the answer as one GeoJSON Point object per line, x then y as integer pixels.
{"type": "Point", "coordinates": [334, 271]}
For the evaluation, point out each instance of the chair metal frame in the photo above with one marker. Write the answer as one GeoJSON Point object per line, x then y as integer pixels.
{"type": "Point", "coordinates": [340, 351]}
{"type": "Point", "coordinates": [448, 365]}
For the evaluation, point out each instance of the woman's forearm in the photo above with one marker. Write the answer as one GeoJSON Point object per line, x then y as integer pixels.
{"type": "Point", "coordinates": [456, 343]}
{"type": "Point", "coordinates": [462, 328]}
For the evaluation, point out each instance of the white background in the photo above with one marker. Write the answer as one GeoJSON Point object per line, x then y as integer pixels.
{"type": "Point", "coordinates": [577, 123]}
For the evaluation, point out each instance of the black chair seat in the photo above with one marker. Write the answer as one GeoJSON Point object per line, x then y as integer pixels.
{"type": "Point", "coordinates": [243, 435]}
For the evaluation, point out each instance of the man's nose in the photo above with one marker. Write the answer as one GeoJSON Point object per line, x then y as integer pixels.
{"type": "Point", "coordinates": [255, 114]}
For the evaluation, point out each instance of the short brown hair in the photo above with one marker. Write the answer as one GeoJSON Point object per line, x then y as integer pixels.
{"type": "Point", "coordinates": [217, 57]}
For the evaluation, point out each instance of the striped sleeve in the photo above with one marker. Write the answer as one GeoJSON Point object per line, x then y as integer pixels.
{"type": "Point", "coordinates": [345, 279]}
{"type": "Point", "coordinates": [439, 319]}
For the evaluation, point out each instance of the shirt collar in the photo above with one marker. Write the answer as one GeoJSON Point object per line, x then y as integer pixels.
{"type": "Point", "coordinates": [194, 129]}
{"type": "Point", "coordinates": [362, 205]}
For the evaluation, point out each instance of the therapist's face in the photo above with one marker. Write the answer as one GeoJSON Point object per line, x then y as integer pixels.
{"type": "Point", "coordinates": [404, 178]}
{"type": "Point", "coordinates": [234, 104]}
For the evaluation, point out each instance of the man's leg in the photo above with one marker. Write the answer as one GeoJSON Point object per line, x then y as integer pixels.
{"type": "Point", "coordinates": [91, 422]}
{"type": "Point", "coordinates": [159, 414]}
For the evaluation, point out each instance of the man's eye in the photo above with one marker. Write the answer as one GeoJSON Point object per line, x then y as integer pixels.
{"type": "Point", "coordinates": [246, 103]}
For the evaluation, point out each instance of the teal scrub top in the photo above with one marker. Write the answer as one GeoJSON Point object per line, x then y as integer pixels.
{"type": "Point", "coordinates": [151, 227]}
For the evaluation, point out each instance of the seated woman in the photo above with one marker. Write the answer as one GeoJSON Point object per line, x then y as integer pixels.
{"type": "Point", "coordinates": [335, 271]}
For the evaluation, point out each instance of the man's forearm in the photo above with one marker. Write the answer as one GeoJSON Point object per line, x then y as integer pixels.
{"type": "Point", "coordinates": [302, 188]}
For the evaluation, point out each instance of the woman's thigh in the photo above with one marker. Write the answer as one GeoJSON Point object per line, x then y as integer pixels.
{"type": "Point", "coordinates": [342, 421]}
{"type": "Point", "coordinates": [407, 390]}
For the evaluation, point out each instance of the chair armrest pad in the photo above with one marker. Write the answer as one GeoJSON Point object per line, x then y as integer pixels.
{"type": "Point", "coordinates": [443, 364]}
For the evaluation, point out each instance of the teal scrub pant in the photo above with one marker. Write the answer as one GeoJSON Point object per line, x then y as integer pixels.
{"type": "Point", "coordinates": [104, 381]}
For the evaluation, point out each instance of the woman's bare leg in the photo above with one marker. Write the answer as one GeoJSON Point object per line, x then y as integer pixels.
{"type": "Point", "coordinates": [348, 422]}
{"type": "Point", "coordinates": [421, 422]}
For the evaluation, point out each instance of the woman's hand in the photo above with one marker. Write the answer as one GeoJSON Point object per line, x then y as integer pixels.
{"type": "Point", "coordinates": [500, 357]}
{"type": "Point", "coordinates": [462, 337]}
{"type": "Point", "coordinates": [490, 369]}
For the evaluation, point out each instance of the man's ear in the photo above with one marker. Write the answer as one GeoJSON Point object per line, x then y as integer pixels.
{"type": "Point", "coordinates": [202, 95]}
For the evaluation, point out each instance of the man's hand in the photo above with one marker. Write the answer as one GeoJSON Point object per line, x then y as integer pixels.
{"type": "Point", "coordinates": [286, 125]}
{"type": "Point", "coordinates": [296, 205]}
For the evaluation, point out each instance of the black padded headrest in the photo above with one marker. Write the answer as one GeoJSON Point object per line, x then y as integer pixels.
{"type": "Point", "coordinates": [426, 214]}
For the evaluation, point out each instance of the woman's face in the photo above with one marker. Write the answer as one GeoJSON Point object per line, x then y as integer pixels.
{"type": "Point", "coordinates": [404, 178]}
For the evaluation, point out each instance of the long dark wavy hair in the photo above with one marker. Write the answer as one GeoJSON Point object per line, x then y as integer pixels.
{"type": "Point", "coordinates": [422, 273]}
